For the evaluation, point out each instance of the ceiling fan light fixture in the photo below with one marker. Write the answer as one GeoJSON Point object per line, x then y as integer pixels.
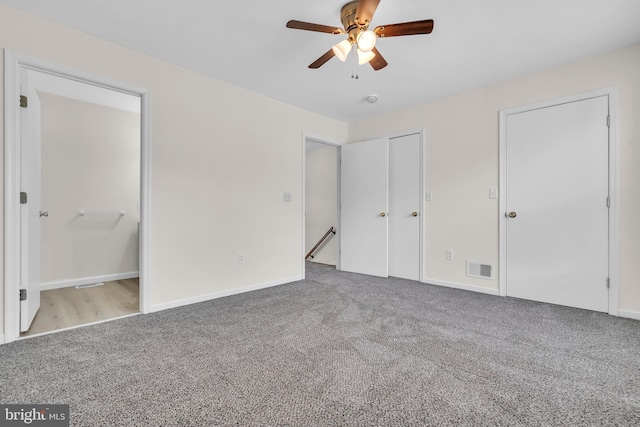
{"type": "Point", "coordinates": [364, 57]}
{"type": "Point", "coordinates": [356, 16]}
{"type": "Point", "coordinates": [342, 49]}
{"type": "Point", "coordinates": [366, 40]}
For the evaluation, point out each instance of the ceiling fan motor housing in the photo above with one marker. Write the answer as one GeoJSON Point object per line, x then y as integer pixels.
{"type": "Point", "coordinates": [348, 18]}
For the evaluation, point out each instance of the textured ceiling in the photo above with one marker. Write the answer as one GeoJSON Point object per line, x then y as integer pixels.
{"type": "Point", "coordinates": [474, 43]}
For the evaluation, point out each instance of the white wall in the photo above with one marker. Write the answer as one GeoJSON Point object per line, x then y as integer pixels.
{"type": "Point", "coordinates": [221, 157]}
{"type": "Point", "coordinates": [321, 199]}
{"type": "Point", "coordinates": [90, 162]}
{"type": "Point", "coordinates": [461, 163]}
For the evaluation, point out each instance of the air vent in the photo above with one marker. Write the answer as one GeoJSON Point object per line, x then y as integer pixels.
{"type": "Point", "coordinates": [480, 270]}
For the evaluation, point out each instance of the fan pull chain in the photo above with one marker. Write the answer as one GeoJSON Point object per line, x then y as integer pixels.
{"type": "Point", "coordinates": [354, 69]}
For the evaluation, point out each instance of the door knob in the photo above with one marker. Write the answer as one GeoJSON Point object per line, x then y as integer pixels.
{"type": "Point", "coordinates": [414, 213]}
{"type": "Point", "coordinates": [45, 214]}
{"type": "Point", "coordinates": [383, 214]}
{"type": "Point", "coordinates": [511, 214]}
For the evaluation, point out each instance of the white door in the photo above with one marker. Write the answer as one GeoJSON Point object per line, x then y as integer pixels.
{"type": "Point", "coordinates": [30, 212]}
{"type": "Point", "coordinates": [364, 207]}
{"type": "Point", "coordinates": [404, 207]}
{"type": "Point", "coordinates": [556, 198]}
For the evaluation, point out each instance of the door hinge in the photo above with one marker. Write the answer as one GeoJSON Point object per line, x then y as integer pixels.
{"type": "Point", "coordinates": [608, 283]}
{"type": "Point", "coordinates": [609, 121]}
{"type": "Point", "coordinates": [23, 198]}
{"type": "Point", "coordinates": [24, 101]}
{"type": "Point", "coordinates": [608, 202]}
{"type": "Point", "coordinates": [23, 294]}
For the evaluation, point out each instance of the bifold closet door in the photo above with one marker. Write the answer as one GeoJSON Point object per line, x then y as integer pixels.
{"type": "Point", "coordinates": [364, 207]}
{"type": "Point", "coordinates": [404, 207]}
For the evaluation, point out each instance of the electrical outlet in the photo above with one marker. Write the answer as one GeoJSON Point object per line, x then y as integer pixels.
{"type": "Point", "coordinates": [286, 196]}
{"type": "Point", "coordinates": [240, 257]}
{"type": "Point", "coordinates": [450, 254]}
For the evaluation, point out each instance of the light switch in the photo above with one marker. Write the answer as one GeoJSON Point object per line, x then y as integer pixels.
{"type": "Point", "coordinates": [493, 193]}
{"type": "Point", "coordinates": [428, 196]}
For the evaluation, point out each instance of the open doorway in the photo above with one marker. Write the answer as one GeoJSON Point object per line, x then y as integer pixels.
{"type": "Point", "coordinates": [76, 201]}
{"type": "Point", "coordinates": [321, 202]}
{"type": "Point", "coordinates": [89, 201]}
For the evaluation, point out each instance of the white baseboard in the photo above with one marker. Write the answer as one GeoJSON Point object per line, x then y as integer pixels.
{"type": "Point", "coordinates": [464, 287]}
{"type": "Point", "coordinates": [630, 314]}
{"type": "Point", "coordinates": [222, 294]}
{"type": "Point", "coordinates": [88, 280]}
{"type": "Point", "coordinates": [323, 263]}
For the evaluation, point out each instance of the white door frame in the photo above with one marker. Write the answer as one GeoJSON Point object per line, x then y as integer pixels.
{"type": "Point", "coordinates": [305, 138]}
{"type": "Point", "coordinates": [14, 63]}
{"type": "Point", "coordinates": [612, 93]}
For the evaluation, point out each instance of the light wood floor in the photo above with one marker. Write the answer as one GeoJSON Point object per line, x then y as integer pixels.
{"type": "Point", "coordinates": [65, 307]}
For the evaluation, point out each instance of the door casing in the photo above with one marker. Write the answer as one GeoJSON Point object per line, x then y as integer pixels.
{"type": "Point", "coordinates": [14, 64]}
{"type": "Point", "coordinates": [612, 93]}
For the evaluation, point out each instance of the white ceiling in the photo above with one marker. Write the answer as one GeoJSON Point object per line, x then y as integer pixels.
{"type": "Point", "coordinates": [474, 43]}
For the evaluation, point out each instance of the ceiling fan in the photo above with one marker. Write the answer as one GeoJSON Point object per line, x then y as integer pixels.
{"type": "Point", "coordinates": [356, 17]}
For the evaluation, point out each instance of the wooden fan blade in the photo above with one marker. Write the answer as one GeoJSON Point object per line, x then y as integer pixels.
{"type": "Point", "coordinates": [378, 62]}
{"type": "Point", "coordinates": [405, 29]}
{"type": "Point", "coordinates": [324, 58]}
{"type": "Point", "coordinates": [365, 11]}
{"type": "Point", "coordinates": [299, 25]}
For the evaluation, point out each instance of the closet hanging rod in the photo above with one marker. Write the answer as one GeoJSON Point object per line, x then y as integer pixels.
{"type": "Point", "coordinates": [83, 213]}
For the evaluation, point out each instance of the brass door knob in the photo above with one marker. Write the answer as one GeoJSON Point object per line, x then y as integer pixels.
{"type": "Point", "coordinates": [512, 214]}
{"type": "Point", "coordinates": [383, 214]}
{"type": "Point", "coordinates": [414, 213]}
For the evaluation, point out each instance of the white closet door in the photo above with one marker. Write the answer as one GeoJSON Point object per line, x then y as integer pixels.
{"type": "Point", "coordinates": [556, 195]}
{"type": "Point", "coordinates": [30, 212]}
{"type": "Point", "coordinates": [364, 208]}
{"type": "Point", "coordinates": [404, 207]}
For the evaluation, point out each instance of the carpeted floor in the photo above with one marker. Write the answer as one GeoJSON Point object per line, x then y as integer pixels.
{"type": "Point", "coordinates": [339, 349]}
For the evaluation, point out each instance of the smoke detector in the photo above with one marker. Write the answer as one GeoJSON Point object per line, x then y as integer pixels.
{"type": "Point", "coordinates": [372, 99]}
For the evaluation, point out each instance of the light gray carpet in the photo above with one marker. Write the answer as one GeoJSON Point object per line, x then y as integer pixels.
{"type": "Point", "coordinates": [339, 349]}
